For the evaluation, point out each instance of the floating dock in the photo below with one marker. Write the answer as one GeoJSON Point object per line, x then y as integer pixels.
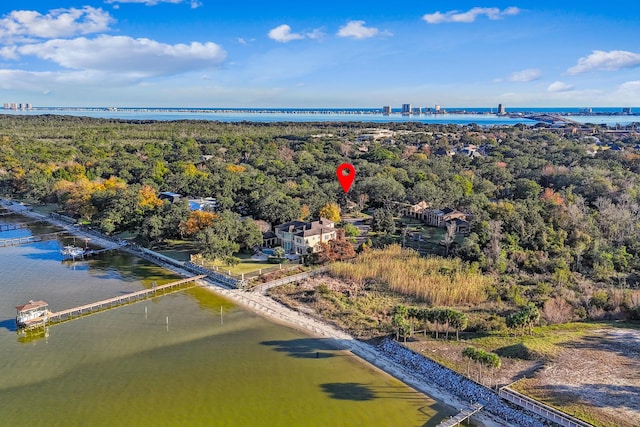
{"type": "Point", "coordinates": [84, 253]}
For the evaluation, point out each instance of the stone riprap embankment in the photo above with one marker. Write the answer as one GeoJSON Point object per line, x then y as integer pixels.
{"type": "Point", "coordinates": [456, 384]}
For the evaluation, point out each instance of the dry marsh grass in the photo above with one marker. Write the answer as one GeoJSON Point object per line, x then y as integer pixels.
{"type": "Point", "coordinates": [434, 280]}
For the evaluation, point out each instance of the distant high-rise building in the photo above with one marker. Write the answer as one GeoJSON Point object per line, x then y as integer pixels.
{"type": "Point", "coordinates": [406, 108]}
{"type": "Point", "coordinates": [626, 110]}
{"type": "Point", "coordinates": [6, 105]}
{"type": "Point", "coordinates": [437, 108]}
{"type": "Point", "coordinates": [416, 110]}
{"type": "Point", "coordinates": [14, 106]}
{"type": "Point", "coordinates": [501, 109]}
{"type": "Point", "coordinates": [29, 106]}
{"type": "Point", "coordinates": [386, 110]}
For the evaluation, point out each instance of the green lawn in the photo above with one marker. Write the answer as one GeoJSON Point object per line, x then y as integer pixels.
{"type": "Point", "coordinates": [46, 209]}
{"type": "Point", "coordinates": [244, 267]}
{"type": "Point", "coordinates": [180, 250]}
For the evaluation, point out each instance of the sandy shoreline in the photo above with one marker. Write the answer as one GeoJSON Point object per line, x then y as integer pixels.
{"type": "Point", "coordinates": [267, 307]}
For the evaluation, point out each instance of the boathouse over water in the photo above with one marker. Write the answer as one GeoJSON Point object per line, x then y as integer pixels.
{"type": "Point", "coordinates": [32, 313]}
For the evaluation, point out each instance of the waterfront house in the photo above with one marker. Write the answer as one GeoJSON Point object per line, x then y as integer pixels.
{"type": "Point", "coordinates": [269, 239]}
{"type": "Point", "coordinates": [413, 210]}
{"type": "Point", "coordinates": [299, 237]}
{"type": "Point", "coordinates": [32, 313]}
{"type": "Point", "coordinates": [438, 217]}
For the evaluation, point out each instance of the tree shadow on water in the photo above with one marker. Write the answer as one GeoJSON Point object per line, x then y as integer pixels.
{"type": "Point", "coordinates": [304, 348]}
{"type": "Point", "coordinates": [348, 391]}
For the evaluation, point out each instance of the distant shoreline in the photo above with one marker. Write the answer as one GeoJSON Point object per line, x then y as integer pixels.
{"type": "Point", "coordinates": [572, 111]}
{"type": "Point", "coordinates": [481, 116]}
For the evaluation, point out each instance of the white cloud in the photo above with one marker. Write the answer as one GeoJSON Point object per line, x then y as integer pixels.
{"type": "Point", "coordinates": [57, 23]}
{"type": "Point", "coordinates": [559, 86]}
{"type": "Point", "coordinates": [528, 75]}
{"type": "Point", "coordinates": [43, 81]}
{"type": "Point", "coordinates": [9, 52]}
{"type": "Point", "coordinates": [610, 61]}
{"type": "Point", "coordinates": [134, 58]}
{"type": "Point", "coordinates": [470, 15]}
{"type": "Point", "coordinates": [630, 90]}
{"type": "Point", "coordinates": [316, 34]}
{"type": "Point", "coordinates": [283, 34]}
{"type": "Point", "coordinates": [357, 30]}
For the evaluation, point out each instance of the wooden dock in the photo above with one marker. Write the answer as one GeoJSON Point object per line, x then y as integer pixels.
{"type": "Point", "coordinates": [17, 226]}
{"type": "Point", "coordinates": [89, 253]}
{"type": "Point", "coordinates": [5, 243]}
{"type": "Point", "coordinates": [130, 298]}
{"type": "Point", "coordinates": [462, 415]}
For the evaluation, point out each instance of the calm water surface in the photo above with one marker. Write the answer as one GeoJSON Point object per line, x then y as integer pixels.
{"type": "Point", "coordinates": [127, 366]}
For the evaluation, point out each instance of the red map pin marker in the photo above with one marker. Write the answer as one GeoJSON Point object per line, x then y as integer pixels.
{"type": "Point", "coordinates": [346, 174]}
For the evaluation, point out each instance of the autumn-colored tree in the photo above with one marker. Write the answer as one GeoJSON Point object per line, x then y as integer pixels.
{"type": "Point", "coordinates": [76, 196]}
{"type": "Point", "coordinates": [148, 198]}
{"type": "Point", "coordinates": [337, 249]}
{"type": "Point", "coordinates": [550, 196]}
{"type": "Point", "coordinates": [198, 221]}
{"type": "Point", "coordinates": [305, 212]}
{"type": "Point", "coordinates": [236, 168]}
{"type": "Point", "coordinates": [191, 171]}
{"type": "Point", "coordinates": [331, 211]}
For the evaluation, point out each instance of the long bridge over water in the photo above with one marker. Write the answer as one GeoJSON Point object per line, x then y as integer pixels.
{"type": "Point", "coordinates": [551, 118]}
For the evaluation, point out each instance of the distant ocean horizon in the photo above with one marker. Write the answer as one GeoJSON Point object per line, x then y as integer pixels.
{"type": "Point", "coordinates": [484, 116]}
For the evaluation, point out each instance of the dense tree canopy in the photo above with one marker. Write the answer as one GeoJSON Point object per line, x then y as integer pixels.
{"type": "Point", "coordinates": [546, 204]}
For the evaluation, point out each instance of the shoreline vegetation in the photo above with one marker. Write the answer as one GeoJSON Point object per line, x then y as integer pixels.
{"type": "Point", "coordinates": [545, 237]}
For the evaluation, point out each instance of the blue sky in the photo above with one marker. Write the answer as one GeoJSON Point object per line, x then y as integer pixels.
{"type": "Point", "coordinates": [205, 53]}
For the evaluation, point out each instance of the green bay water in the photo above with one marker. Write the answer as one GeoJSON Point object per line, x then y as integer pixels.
{"type": "Point", "coordinates": [130, 366]}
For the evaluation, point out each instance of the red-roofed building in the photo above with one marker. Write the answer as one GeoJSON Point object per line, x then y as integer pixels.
{"type": "Point", "coordinates": [32, 312]}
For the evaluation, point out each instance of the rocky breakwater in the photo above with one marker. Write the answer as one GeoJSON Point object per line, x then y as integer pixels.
{"type": "Point", "coordinates": [458, 385]}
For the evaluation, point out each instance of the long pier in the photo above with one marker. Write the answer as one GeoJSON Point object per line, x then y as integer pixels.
{"type": "Point", "coordinates": [5, 243]}
{"type": "Point", "coordinates": [130, 298]}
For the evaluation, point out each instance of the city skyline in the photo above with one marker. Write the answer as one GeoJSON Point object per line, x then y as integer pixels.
{"type": "Point", "coordinates": [197, 53]}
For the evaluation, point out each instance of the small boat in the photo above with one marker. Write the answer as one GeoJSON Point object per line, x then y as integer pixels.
{"type": "Point", "coordinates": [72, 252]}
